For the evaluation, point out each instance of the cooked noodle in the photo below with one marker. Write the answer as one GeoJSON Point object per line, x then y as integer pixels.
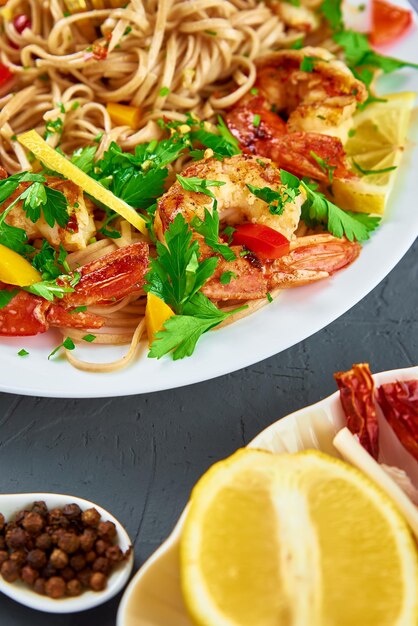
{"type": "Point", "coordinates": [69, 67]}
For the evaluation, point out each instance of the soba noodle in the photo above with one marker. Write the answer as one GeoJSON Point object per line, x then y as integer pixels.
{"type": "Point", "coordinates": [167, 57]}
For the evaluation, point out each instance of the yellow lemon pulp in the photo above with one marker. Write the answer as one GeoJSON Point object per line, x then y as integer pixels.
{"type": "Point", "coordinates": [16, 270]}
{"type": "Point", "coordinates": [58, 163]}
{"type": "Point", "coordinates": [295, 540]}
{"type": "Point", "coordinates": [377, 143]}
{"type": "Point", "coordinates": [157, 312]}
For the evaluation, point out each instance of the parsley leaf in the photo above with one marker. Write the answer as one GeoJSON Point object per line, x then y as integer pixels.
{"type": "Point", "coordinates": [83, 158]}
{"type": "Point", "coordinates": [332, 12]}
{"type": "Point", "coordinates": [68, 343]}
{"type": "Point", "coordinates": [49, 262]}
{"type": "Point", "coordinates": [226, 277]}
{"type": "Point", "coordinates": [276, 200]}
{"type": "Point", "coordinates": [199, 185]}
{"type": "Point", "coordinates": [49, 289]}
{"type": "Point", "coordinates": [181, 332]}
{"type": "Point", "coordinates": [6, 296]}
{"type": "Point", "coordinates": [209, 229]}
{"type": "Point", "coordinates": [317, 209]}
{"type": "Point", "coordinates": [89, 338]}
{"type": "Point", "coordinates": [176, 274]}
{"type": "Point", "coordinates": [308, 63]}
{"type": "Point", "coordinates": [23, 352]}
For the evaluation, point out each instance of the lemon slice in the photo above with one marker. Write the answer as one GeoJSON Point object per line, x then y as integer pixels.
{"type": "Point", "coordinates": [58, 163]}
{"type": "Point", "coordinates": [295, 540]}
{"type": "Point", "coordinates": [377, 143]}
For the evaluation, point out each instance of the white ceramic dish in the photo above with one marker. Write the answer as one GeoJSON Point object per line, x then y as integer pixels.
{"type": "Point", "coordinates": [18, 591]}
{"type": "Point", "coordinates": [276, 327]}
{"type": "Point", "coordinates": [153, 597]}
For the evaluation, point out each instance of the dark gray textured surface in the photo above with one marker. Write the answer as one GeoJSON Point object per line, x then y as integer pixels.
{"type": "Point", "coordinates": [139, 456]}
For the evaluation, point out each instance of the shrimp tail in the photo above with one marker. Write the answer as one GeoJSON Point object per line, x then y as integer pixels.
{"type": "Point", "coordinates": [111, 277]}
{"type": "Point", "coordinates": [312, 258]}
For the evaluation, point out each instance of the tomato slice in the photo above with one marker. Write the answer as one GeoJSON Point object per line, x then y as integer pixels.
{"type": "Point", "coordinates": [5, 74]}
{"type": "Point", "coordinates": [262, 240]}
{"type": "Point", "coordinates": [389, 22]}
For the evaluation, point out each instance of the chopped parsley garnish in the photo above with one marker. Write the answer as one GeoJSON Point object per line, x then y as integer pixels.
{"type": "Point", "coordinates": [53, 127]}
{"type": "Point", "coordinates": [226, 277]}
{"type": "Point", "coordinates": [325, 167]}
{"type": "Point", "coordinates": [228, 232]}
{"type": "Point", "coordinates": [83, 158]}
{"type": "Point", "coordinates": [199, 185]}
{"type": "Point", "coordinates": [276, 200]}
{"type": "Point", "coordinates": [308, 63]}
{"type": "Point", "coordinates": [164, 91]}
{"type": "Point", "coordinates": [384, 170]}
{"type": "Point", "coordinates": [68, 344]}
{"type": "Point", "coordinates": [181, 332]}
{"type": "Point", "coordinates": [254, 91]}
{"type": "Point", "coordinates": [351, 132]}
{"type": "Point", "coordinates": [256, 120]}
{"type": "Point", "coordinates": [209, 229]}
{"type": "Point", "coordinates": [298, 44]}
{"type": "Point", "coordinates": [317, 209]}
{"type": "Point", "coordinates": [6, 296]}
{"type": "Point", "coordinates": [23, 352]}
{"type": "Point", "coordinates": [49, 262]}
{"type": "Point", "coordinates": [89, 338]}
{"type": "Point", "coordinates": [269, 297]}
{"type": "Point", "coordinates": [34, 198]}
{"type": "Point", "coordinates": [176, 274]}
{"type": "Point", "coordinates": [78, 309]}
{"type": "Point", "coordinates": [49, 289]}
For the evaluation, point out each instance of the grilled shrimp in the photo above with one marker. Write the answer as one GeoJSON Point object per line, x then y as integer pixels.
{"type": "Point", "coordinates": [322, 100]}
{"type": "Point", "coordinates": [295, 151]}
{"type": "Point", "coordinates": [317, 104]}
{"type": "Point", "coordinates": [235, 202]}
{"type": "Point", "coordinates": [299, 18]}
{"type": "Point", "coordinates": [109, 278]}
{"type": "Point", "coordinates": [80, 227]}
{"type": "Point", "coordinates": [309, 258]}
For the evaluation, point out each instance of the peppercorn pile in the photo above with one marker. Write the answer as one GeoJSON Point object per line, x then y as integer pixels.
{"type": "Point", "coordinates": [59, 552]}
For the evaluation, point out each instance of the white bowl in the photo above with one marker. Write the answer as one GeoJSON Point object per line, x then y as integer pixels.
{"type": "Point", "coordinates": [22, 593]}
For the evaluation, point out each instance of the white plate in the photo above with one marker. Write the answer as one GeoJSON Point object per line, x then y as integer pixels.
{"type": "Point", "coordinates": [285, 322]}
{"type": "Point", "coordinates": [154, 598]}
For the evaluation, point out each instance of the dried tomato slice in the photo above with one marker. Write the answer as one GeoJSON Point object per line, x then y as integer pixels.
{"type": "Point", "coordinates": [357, 398]}
{"type": "Point", "coordinates": [399, 404]}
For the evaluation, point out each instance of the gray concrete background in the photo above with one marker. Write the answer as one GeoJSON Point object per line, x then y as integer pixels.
{"type": "Point", "coordinates": [139, 456]}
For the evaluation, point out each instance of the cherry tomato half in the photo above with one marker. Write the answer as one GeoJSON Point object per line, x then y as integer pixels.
{"type": "Point", "coordinates": [262, 240]}
{"type": "Point", "coordinates": [389, 22]}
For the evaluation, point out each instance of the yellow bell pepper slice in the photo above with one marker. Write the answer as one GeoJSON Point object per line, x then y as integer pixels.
{"type": "Point", "coordinates": [157, 312]}
{"type": "Point", "coordinates": [55, 161]}
{"type": "Point", "coordinates": [124, 114]}
{"type": "Point", "coordinates": [16, 270]}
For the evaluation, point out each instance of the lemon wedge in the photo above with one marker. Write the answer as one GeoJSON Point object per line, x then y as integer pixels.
{"type": "Point", "coordinates": [295, 540]}
{"type": "Point", "coordinates": [16, 270]}
{"type": "Point", "coordinates": [58, 163]}
{"type": "Point", "coordinates": [376, 142]}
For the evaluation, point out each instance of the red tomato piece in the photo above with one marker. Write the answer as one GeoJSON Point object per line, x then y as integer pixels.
{"type": "Point", "coordinates": [262, 240]}
{"type": "Point", "coordinates": [389, 22]}
{"type": "Point", "coordinates": [20, 22]}
{"type": "Point", "coordinates": [5, 74]}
